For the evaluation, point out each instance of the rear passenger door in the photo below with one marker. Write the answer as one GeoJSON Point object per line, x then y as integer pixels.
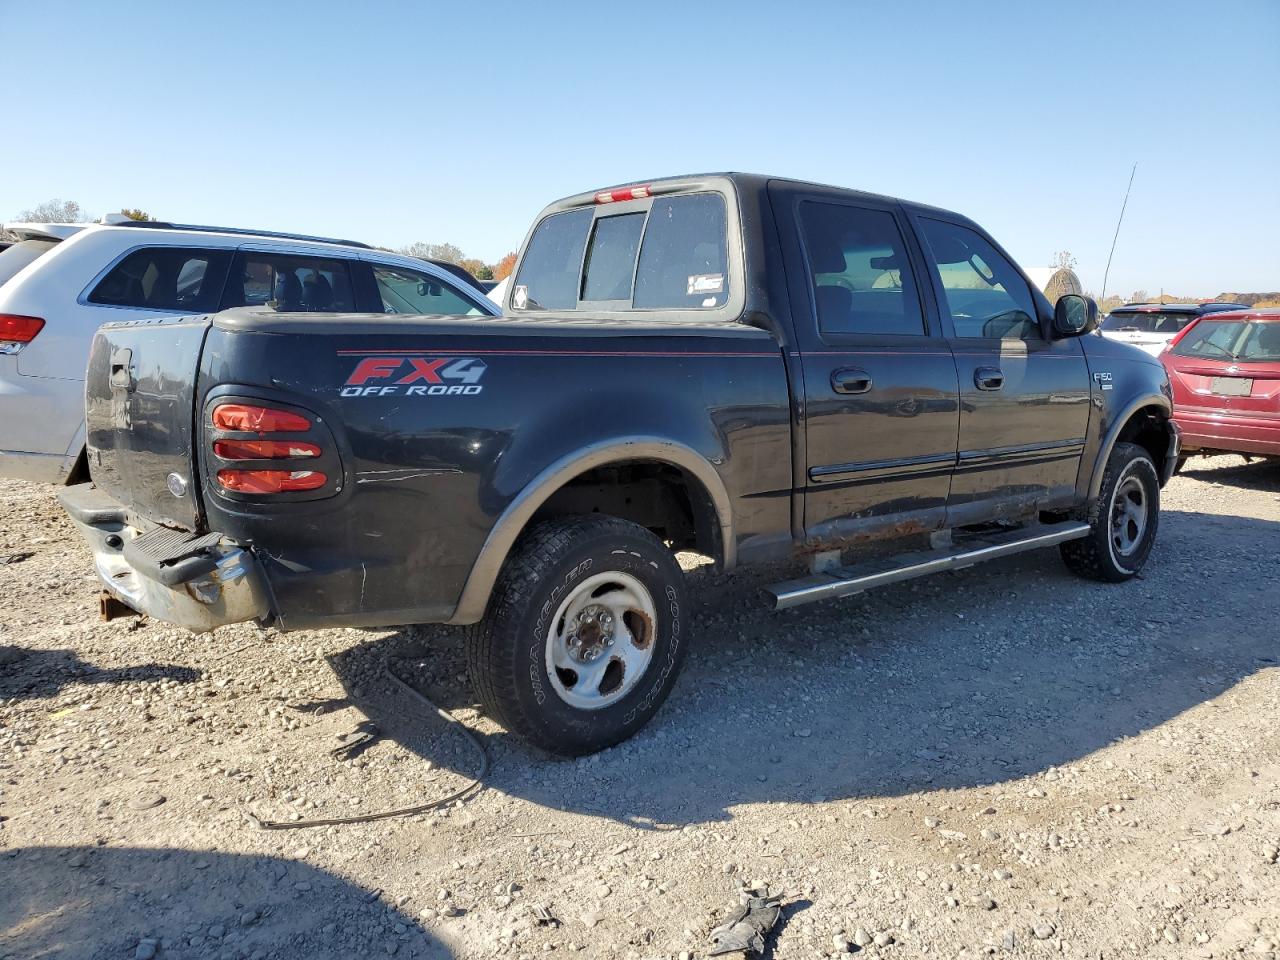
{"type": "Point", "coordinates": [879, 392]}
{"type": "Point", "coordinates": [1024, 399]}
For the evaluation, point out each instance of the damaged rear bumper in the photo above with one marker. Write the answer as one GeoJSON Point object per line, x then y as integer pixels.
{"type": "Point", "coordinates": [195, 581]}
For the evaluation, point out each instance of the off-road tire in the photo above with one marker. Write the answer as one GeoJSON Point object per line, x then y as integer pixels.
{"type": "Point", "coordinates": [1095, 556]}
{"type": "Point", "coordinates": [506, 651]}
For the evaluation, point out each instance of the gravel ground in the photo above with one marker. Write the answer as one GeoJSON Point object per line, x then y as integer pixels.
{"type": "Point", "coordinates": [1004, 760]}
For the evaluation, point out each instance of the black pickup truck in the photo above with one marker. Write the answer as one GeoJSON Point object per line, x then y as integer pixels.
{"type": "Point", "coordinates": [737, 365]}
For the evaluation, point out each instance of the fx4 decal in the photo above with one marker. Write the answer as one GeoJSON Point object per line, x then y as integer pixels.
{"type": "Point", "coordinates": [392, 376]}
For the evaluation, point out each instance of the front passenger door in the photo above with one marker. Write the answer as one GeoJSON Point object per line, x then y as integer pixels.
{"type": "Point", "coordinates": [1024, 399]}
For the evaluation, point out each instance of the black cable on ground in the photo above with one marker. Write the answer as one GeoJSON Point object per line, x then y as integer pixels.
{"type": "Point", "coordinates": [472, 785]}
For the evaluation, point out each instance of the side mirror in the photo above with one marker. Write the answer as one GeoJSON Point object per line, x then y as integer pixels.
{"type": "Point", "coordinates": [1074, 315]}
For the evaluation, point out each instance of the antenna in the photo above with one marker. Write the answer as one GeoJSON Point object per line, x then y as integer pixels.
{"type": "Point", "coordinates": [1107, 272]}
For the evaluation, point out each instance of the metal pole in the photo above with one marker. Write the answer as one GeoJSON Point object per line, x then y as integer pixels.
{"type": "Point", "coordinates": [1107, 272]}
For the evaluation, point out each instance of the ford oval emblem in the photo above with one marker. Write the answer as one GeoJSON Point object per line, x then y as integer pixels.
{"type": "Point", "coordinates": [177, 485]}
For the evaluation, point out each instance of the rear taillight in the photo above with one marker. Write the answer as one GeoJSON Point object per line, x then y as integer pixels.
{"type": "Point", "coordinates": [264, 449]}
{"type": "Point", "coordinates": [271, 481]}
{"type": "Point", "coordinates": [1180, 334]}
{"type": "Point", "coordinates": [255, 419]}
{"type": "Point", "coordinates": [266, 422]}
{"type": "Point", "coordinates": [17, 331]}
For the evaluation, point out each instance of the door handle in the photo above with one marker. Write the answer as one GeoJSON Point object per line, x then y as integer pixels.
{"type": "Point", "coordinates": [121, 370]}
{"type": "Point", "coordinates": [988, 378]}
{"type": "Point", "coordinates": [850, 380]}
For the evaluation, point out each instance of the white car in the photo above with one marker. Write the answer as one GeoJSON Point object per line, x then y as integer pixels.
{"type": "Point", "coordinates": [60, 282]}
{"type": "Point", "coordinates": [1151, 326]}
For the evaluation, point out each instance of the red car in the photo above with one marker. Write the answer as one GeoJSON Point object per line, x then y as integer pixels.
{"type": "Point", "coordinates": [1225, 373]}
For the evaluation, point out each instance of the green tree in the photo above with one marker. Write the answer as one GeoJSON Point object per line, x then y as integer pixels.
{"type": "Point", "coordinates": [133, 213]}
{"type": "Point", "coordinates": [476, 268]}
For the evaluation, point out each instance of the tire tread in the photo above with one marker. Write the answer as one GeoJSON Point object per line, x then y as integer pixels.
{"type": "Point", "coordinates": [1088, 556]}
{"type": "Point", "coordinates": [493, 674]}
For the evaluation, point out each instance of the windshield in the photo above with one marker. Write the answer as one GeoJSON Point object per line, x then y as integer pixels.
{"type": "Point", "coordinates": [20, 254]}
{"type": "Point", "coordinates": [1240, 341]}
{"type": "Point", "coordinates": [1154, 321]}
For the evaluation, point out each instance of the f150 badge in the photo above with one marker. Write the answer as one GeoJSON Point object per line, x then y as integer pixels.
{"type": "Point", "coordinates": [1103, 380]}
{"type": "Point", "coordinates": [404, 375]}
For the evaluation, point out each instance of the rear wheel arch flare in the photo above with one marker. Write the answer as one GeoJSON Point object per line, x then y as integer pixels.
{"type": "Point", "coordinates": [702, 481]}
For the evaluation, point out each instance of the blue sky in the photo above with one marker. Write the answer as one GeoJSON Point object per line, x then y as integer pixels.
{"type": "Point", "coordinates": [394, 122]}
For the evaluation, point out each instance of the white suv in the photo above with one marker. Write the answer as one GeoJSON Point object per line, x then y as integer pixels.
{"type": "Point", "coordinates": [73, 278]}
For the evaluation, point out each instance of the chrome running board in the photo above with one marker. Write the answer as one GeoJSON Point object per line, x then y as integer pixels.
{"type": "Point", "coordinates": [846, 581]}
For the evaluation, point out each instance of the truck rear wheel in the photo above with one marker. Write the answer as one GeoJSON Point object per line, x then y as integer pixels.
{"type": "Point", "coordinates": [584, 634]}
{"type": "Point", "coordinates": [1123, 519]}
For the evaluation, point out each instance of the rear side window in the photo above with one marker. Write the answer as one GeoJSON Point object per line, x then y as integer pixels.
{"type": "Point", "coordinates": [862, 279]}
{"type": "Point", "coordinates": [409, 291]}
{"type": "Point", "coordinates": [290, 284]}
{"type": "Point", "coordinates": [676, 253]}
{"type": "Point", "coordinates": [165, 278]}
{"type": "Point", "coordinates": [20, 254]}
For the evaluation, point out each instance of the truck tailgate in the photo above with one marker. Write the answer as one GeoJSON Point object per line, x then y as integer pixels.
{"type": "Point", "coordinates": [139, 409]}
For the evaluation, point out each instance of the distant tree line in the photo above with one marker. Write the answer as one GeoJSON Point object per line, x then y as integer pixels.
{"type": "Point", "coordinates": [66, 211]}
{"type": "Point", "coordinates": [69, 211]}
{"type": "Point", "coordinates": [452, 254]}
{"type": "Point", "coordinates": [1271, 299]}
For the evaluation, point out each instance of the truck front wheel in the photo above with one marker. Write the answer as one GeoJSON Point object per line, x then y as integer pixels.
{"type": "Point", "coordinates": [584, 636]}
{"type": "Point", "coordinates": [1123, 519]}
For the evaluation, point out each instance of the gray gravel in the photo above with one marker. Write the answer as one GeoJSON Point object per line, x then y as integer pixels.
{"type": "Point", "coordinates": [1002, 761]}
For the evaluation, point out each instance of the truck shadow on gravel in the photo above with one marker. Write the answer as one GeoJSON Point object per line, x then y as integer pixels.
{"type": "Point", "coordinates": [34, 674]}
{"type": "Point", "coordinates": [99, 902]}
{"type": "Point", "coordinates": [976, 678]}
{"type": "Point", "coordinates": [1262, 476]}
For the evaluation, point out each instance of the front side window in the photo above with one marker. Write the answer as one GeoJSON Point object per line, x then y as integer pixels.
{"type": "Point", "coordinates": [984, 293]}
{"type": "Point", "coordinates": [165, 278]}
{"type": "Point", "coordinates": [290, 284]}
{"type": "Point", "coordinates": [577, 257]}
{"type": "Point", "coordinates": [408, 291]}
{"type": "Point", "coordinates": [1239, 341]}
{"type": "Point", "coordinates": [859, 271]}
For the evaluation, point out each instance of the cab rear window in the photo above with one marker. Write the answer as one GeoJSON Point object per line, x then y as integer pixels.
{"type": "Point", "coordinates": [671, 257]}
